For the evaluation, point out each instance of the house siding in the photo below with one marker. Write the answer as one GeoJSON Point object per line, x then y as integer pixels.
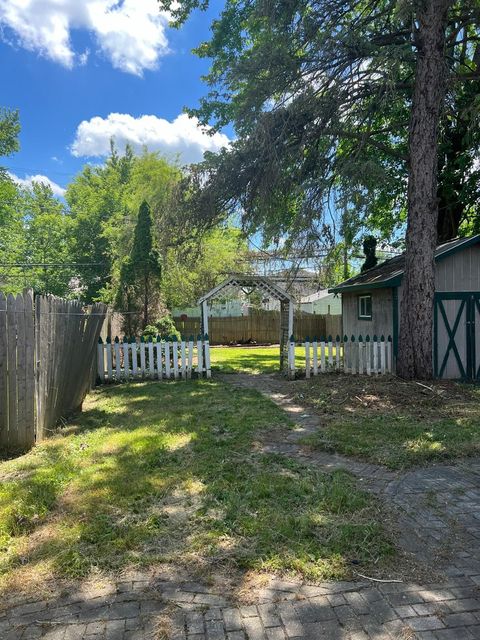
{"type": "Point", "coordinates": [382, 314]}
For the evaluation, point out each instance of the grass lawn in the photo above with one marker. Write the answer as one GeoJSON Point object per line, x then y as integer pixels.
{"type": "Point", "coordinates": [388, 421]}
{"type": "Point", "coordinates": [169, 472]}
{"type": "Point", "coordinates": [250, 359]}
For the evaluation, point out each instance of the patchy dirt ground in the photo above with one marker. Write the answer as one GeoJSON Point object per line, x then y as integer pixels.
{"type": "Point", "coordinates": [392, 422]}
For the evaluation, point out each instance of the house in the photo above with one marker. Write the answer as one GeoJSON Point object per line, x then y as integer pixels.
{"type": "Point", "coordinates": [321, 303]}
{"type": "Point", "coordinates": [234, 308]}
{"type": "Point", "coordinates": [370, 306]}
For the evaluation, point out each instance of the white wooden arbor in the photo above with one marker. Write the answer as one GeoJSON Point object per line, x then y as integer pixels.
{"type": "Point", "coordinates": [248, 284]}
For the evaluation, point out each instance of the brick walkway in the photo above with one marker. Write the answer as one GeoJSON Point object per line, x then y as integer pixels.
{"type": "Point", "coordinates": [439, 523]}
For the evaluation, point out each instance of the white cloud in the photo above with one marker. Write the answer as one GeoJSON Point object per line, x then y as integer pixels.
{"type": "Point", "coordinates": [183, 136]}
{"type": "Point", "coordinates": [28, 180]}
{"type": "Point", "coordinates": [131, 33]}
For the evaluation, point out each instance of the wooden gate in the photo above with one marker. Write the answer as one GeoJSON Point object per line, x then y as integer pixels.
{"type": "Point", "coordinates": [456, 338]}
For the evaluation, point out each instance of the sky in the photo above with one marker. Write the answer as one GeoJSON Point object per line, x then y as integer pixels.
{"type": "Point", "coordinates": [82, 71]}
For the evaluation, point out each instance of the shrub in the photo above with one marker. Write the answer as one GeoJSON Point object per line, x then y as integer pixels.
{"type": "Point", "coordinates": [165, 326]}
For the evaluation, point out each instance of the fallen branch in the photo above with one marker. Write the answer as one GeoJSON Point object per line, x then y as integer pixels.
{"type": "Point", "coordinates": [375, 579]}
{"type": "Point", "coordinates": [425, 386]}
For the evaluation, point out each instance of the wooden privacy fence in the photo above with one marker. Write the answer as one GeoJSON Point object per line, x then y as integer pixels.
{"type": "Point", "coordinates": [260, 326]}
{"type": "Point", "coordinates": [47, 349]}
{"type": "Point", "coordinates": [371, 356]}
{"type": "Point", "coordinates": [17, 372]}
{"type": "Point", "coordinates": [160, 359]}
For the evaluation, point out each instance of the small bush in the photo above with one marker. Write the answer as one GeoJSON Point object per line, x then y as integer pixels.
{"type": "Point", "coordinates": [164, 327]}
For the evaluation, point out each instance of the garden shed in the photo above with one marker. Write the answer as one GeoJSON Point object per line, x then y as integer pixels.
{"type": "Point", "coordinates": [370, 306]}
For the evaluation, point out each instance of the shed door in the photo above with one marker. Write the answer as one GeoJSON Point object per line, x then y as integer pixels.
{"type": "Point", "coordinates": [456, 339]}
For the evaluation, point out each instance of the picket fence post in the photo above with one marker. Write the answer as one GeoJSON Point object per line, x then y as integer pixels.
{"type": "Point", "coordinates": [315, 356]}
{"type": "Point", "coordinates": [190, 357]}
{"type": "Point", "coordinates": [360, 354]}
{"type": "Point", "coordinates": [291, 358]}
{"type": "Point", "coordinates": [389, 355]}
{"type": "Point", "coordinates": [307, 357]}
{"type": "Point", "coordinates": [183, 357]}
{"type": "Point", "coordinates": [108, 349]}
{"type": "Point", "coordinates": [126, 359]}
{"type": "Point", "coordinates": [175, 356]}
{"type": "Point", "coordinates": [368, 354]}
{"type": "Point", "coordinates": [382, 354]}
{"type": "Point", "coordinates": [355, 355]}
{"type": "Point", "coordinates": [168, 370]}
{"type": "Point", "coordinates": [207, 356]}
{"type": "Point", "coordinates": [199, 355]}
{"type": "Point", "coordinates": [100, 360]}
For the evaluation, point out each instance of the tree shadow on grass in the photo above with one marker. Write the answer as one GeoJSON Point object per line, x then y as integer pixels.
{"type": "Point", "coordinates": [156, 472]}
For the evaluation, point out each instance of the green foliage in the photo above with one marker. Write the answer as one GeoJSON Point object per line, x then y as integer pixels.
{"type": "Point", "coordinates": [46, 233]}
{"type": "Point", "coordinates": [139, 289]}
{"type": "Point", "coordinates": [119, 253]}
{"type": "Point", "coordinates": [101, 222]}
{"type": "Point", "coordinates": [36, 231]}
{"type": "Point", "coordinates": [320, 95]}
{"type": "Point", "coordinates": [106, 200]}
{"type": "Point", "coordinates": [10, 219]}
{"type": "Point", "coordinates": [164, 327]}
{"type": "Point", "coordinates": [202, 264]}
{"type": "Point", "coordinates": [9, 131]}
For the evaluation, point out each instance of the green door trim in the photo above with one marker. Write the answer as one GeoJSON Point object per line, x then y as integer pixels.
{"type": "Point", "coordinates": [476, 307]}
{"type": "Point", "coordinates": [470, 302]}
{"type": "Point", "coordinates": [451, 338]}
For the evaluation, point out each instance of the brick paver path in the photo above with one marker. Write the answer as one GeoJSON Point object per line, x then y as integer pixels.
{"type": "Point", "coordinates": [439, 526]}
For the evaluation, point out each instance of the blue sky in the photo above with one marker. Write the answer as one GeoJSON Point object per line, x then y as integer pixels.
{"type": "Point", "coordinates": [70, 65]}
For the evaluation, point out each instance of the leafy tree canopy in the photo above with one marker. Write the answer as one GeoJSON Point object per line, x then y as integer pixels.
{"type": "Point", "coordinates": [320, 95]}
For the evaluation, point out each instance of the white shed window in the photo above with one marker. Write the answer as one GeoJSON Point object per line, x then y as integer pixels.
{"type": "Point", "coordinates": [365, 307]}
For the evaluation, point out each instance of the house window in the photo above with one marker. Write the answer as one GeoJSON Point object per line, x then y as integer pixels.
{"type": "Point", "coordinates": [365, 307]}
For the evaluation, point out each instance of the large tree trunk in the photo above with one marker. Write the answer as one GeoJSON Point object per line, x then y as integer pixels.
{"type": "Point", "coordinates": [416, 311]}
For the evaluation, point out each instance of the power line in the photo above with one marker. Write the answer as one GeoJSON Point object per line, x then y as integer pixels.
{"type": "Point", "coordinates": [50, 264]}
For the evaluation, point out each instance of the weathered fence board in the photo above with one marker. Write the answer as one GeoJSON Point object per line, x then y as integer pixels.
{"type": "Point", "coordinates": [260, 326]}
{"type": "Point", "coordinates": [162, 359]}
{"type": "Point", "coordinates": [47, 348]}
{"type": "Point", "coordinates": [66, 344]}
{"type": "Point", "coordinates": [355, 355]}
{"type": "Point", "coordinates": [3, 373]}
{"type": "Point", "coordinates": [17, 376]}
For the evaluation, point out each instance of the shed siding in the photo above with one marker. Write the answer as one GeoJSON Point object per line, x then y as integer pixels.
{"type": "Point", "coordinates": [460, 271]}
{"type": "Point", "coordinates": [382, 314]}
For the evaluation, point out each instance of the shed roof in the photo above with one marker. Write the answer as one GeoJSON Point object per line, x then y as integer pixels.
{"type": "Point", "coordinates": [390, 272]}
{"type": "Point", "coordinates": [245, 281]}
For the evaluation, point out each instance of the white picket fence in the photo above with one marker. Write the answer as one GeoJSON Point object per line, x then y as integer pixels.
{"type": "Point", "coordinates": [162, 359]}
{"type": "Point", "coordinates": [371, 356]}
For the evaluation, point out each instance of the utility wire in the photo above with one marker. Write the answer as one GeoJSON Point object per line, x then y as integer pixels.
{"type": "Point", "coordinates": [50, 264]}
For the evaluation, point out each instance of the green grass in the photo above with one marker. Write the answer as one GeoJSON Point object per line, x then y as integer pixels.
{"type": "Point", "coordinates": [395, 423]}
{"type": "Point", "coordinates": [168, 472]}
{"type": "Point", "coordinates": [250, 359]}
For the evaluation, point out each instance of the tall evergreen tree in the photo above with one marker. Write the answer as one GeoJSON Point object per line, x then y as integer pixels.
{"type": "Point", "coordinates": [140, 273]}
